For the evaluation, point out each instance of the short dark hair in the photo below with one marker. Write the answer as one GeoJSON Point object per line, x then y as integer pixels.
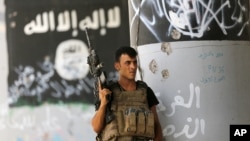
{"type": "Point", "coordinates": [131, 52]}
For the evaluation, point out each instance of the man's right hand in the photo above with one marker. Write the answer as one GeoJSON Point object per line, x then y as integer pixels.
{"type": "Point", "coordinates": [103, 94]}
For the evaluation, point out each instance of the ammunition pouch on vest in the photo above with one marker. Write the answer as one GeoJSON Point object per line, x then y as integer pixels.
{"type": "Point", "coordinates": [133, 118]}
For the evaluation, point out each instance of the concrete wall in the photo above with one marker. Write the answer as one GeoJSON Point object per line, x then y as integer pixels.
{"type": "Point", "coordinates": [195, 56]}
{"type": "Point", "coordinates": [62, 122]}
{"type": "Point", "coordinates": [39, 100]}
{"type": "Point", "coordinates": [202, 87]}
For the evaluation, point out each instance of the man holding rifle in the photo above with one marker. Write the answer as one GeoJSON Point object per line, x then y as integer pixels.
{"type": "Point", "coordinates": [132, 103]}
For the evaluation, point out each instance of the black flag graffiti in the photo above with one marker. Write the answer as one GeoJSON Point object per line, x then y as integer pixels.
{"type": "Point", "coordinates": [48, 52]}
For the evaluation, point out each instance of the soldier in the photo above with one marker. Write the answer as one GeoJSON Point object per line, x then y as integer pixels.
{"type": "Point", "coordinates": [133, 105]}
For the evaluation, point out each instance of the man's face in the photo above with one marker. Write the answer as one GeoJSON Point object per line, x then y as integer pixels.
{"type": "Point", "coordinates": [127, 67]}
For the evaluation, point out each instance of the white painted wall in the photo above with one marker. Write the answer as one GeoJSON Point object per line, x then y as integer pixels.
{"type": "Point", "coordinates": [206, 89]}
{"type": "Point", "coordinates": [197, 64]}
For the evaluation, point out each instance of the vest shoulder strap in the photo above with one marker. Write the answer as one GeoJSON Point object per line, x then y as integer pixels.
{"type": "Point", "coordinates": [113, 84]}
{"type": "Point", "coordinates": [141, 84]}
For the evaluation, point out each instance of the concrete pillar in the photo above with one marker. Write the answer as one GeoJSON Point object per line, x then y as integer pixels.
{"type": "Point", "coordinates": [195, 55]}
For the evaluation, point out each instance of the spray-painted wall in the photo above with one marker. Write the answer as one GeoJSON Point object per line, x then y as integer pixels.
{"type": "Point", "coordinates": [195, 56]}
{"type": "Point", "coordinates": [46, 92]}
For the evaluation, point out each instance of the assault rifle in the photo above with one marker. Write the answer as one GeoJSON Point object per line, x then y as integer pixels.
{"type": "Point", "coordinates": [95, 69]}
